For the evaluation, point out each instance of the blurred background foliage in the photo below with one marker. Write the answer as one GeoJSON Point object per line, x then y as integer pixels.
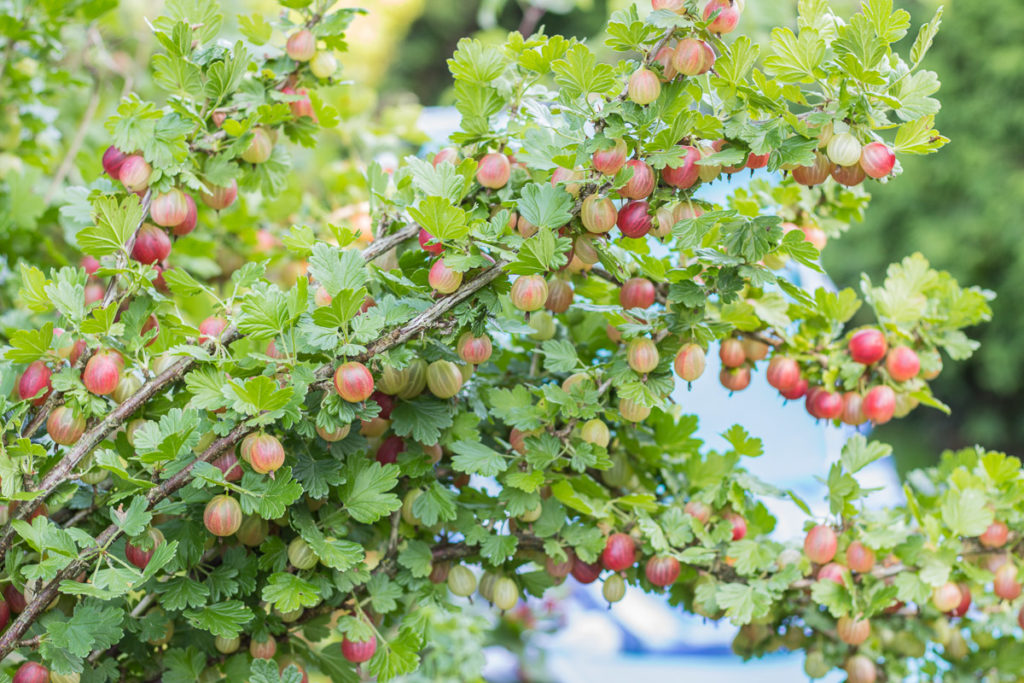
{"type": "Point", "coordinates": [962, 209]}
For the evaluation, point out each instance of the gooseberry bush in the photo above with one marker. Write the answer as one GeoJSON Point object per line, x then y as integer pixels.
{"type": "Point", "coordinates": [310, 458]}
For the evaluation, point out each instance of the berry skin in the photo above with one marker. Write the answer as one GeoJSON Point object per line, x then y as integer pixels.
{"type": "Point", "coordinates": [824, 404]}
{"type": "Point", "coordinates": [134, 173]}
{"type": "Point", "coordinates": [816, 173]}
{"type": "Point", "coordinates": [443, 279]}
{"type": "Point", "coordinates": [735, 379]}
{"type": "Point", "coordinates": [324, 64]}
{"type": "Point", "coordinates": [140, 557]}
{"type": "Point", "coordinates": [260, 147]}
{"type": "Point", "coordinates": [425, 237]}
{"type": "Point", "coordinates": [529, 293]}
{"type": "Point", "coordinates": [693, 57]}
{"type": "Point", "coordinates": [609, 161]}
{"type": "Point", "coordinates": [879, 404]}
{"type": "Point", "coordinates": [662, 571]}
{"type": "Point", "coordinates": [689, 362]}
{"type": "Point", "coordinates": [995, 535]}
{"type": "Point", "coordinates": [211, 328]}
{"type": "Point", "coordinates": [731, 353]}
{"type": "Point", "coordinates": [739, 525]}
{"type": "Point", "coordinates": [169, 209]}
{"type": "Point", "coordinates": [642, 184]}
{"type": "Point", "coordinates": [102, 373]}
{"type": "Point", "coordinates": [188, 224]}
{"type": "Point", "coordinates": [444, 379]}
{"type": "Point", "coordinates": [644, 86]}
{"type": "Point", "coordinates": [31, 672]}
{"type": "Point", "coordinates": [301, 45]}
{"type": "Point", "coordinates": [853, 631]}
{"type": "Point", "coordinates": [877, 159]}
{"type": "Point", "coordinates": [35, 380]}
{"type": "Point", "coordinates": [726, 20]}
{"type": "Point", "coordinates": [820, 544]}
{"type": "Point", "coordinates": [698, 510]}
{"type": "Point", "coordinates": [560, 296]}
{"type": "Point", "coordinates": [634, 220]}
{"type": "Point", "coordinates": [220, 197]}
{"type": "Point", "coordinates": [585, 573]}
{"type": "Point", "coordinates": [687, 173]}
{"type": "Point", "coordinates": [222, 516]}
{"type": "Point", "coordinates": [64, 426]}
{"type": "Point", "coordinates": [832, 572]}
{"type": "Point", "coordinates": [637, 292]}
{"type": "Point", "coordinates": [353, 382]}
{"type": "Point", "coordinates": [152, 245]}
{"type": "Point", "coordinates": [902, 363]}
{"type": "Point", "coordinates": [358, 651]}
{"type": "Point", "coordinates": [860, 669]}
{"type": "Point", "coordinates": [798, 391]}
{"type": "Point", "coordinates": [113, 159]}
{"type": "Point", "coordinates": [474, 350]}
{"type": "Point", "coordinates": [867, 346]}
{"type": "Point", "coordinates": [860, 558]}
{"type": "Point", "coordinates": [783, 373]}
{"type": "Point", "coordinates": [619, 552]}
{"type": "Point", "coordinates": [598, 214]}
{"type": "Point", "coordinates": [494, 171]}
{"type": "Point", "coordinates": [946, 597]}
{"type": "Point", "coordinates": [228, 464]}
{"type": "Point", "coordinates": [266, 454]}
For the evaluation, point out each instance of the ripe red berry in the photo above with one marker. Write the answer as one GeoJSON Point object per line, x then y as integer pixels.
{"type": "Point", "coordinates": [557, 570]}
{"type": "Point", "coordinates": [353, 382]}
{"type": "Point", "coordinates": [860, 558]}
{"type": "Point", "coordinates": [634, 220]}
{"type": "Point", "coordinates": [693, 57]}
{"type": "Point", "coordinates": [637, 292]}
{"type": "Point", "coordinates": [140, 557]}
{"type": "Point", "coordinates": [824, 404]}
{"type": "Point", "coordinates": [965, 602]}
{"type": "Point", "coordinates": [670, 5]}
{"type": "Point", "coordinates": [755, 161]}
{"type": "Point", "coordinates": [619, 552]}
{"type": "Point", "coordinates": [424, 238]}
{"type": "Point", "coordinates": [263, 649]}
{"type": "Point", "coordinates": [853, 631]}
{"type": "Point", "coordinates": [443, 279]}
{"type": "Point", "coordinates": [832, 572]}
{"type": "Point", "coordinates": [113, 159]}
{"type": "Point", "coordinates": [5, 614]}
{"type": "Point", "coordinates": [879, 404]}
{"type": "Point", "coordinates": [169, 209]}
{"type": "Point", "coordinates": [689, 362]}
{"type": "Point", "coordinates": [797, 391]}
{"type": "Point", "coordinates": [1005, 584]}
{"type": "Point", "coordinates": [358, 651]}
{"type": "Point", "coordinates": [853, 409]}
{"type": "Point", "coordinates": [260, 148]}
{"type": "Point", "coordinates": [102, 373]}
{"type": "Point", "coordinates": [228, 464]}
{"type": "Point", "coordinates": [560, 296]}
{"type": "Point", "coordinates": [388, 451]}
{"type": "Point", "coordinates": [641, 185]}
{"type": "Point", "coordinates": [698, 510]}
{"type": "Point", "coordinates": [31, 672]}
{"type": "Point", "coordinates": [266, 454]}
{"type": "Point", "coordinates": [728, 16]}
{"type": "Point", "coordinates": [598, 214]}
{"type": "Point", "coordinates": [494, 171]}
{"type": "Point", "coordinates": [686, 174]}
{"type": "Point", "coordinates": [731, 353]}
{"type": "Point", "coordinates": [815, 174]}
{"type": "Point", "coordinates": [902, 363]}
{"type": "Point", "coordinates": [739, 525]}
{"type": "Point", "coordinates": [222, 516]}
{"type": "Point", "coordinates": [134, 173]}
{"type": "Point", "coordinates": [152, 245]}
{"type": "Point", "coordinates": [860, 669]}
{"type": "Point", "coordinates": [662, 570]}
{"type": "Point", "coordinates": [609, 160]}
{"type": "Point", "coordinates": [35, 381]}
{"type": "Point", "coordinates": [219, 197]}
{"type": "Point", "coordinates": [301, 45]}
{"type": "Point", "coordinates": [877, 159]}
{"type": "Point", "coordinates": [820, 544]}
{"type": "Point", "coordinates": [734, 379]}
{"type": "Point", "coordinates": [644, 87]}
{"type": "Point", "coordinates": [995, 535]}
{"type": "Point", "coordinates": [300, 107]}
{"type": "Point", "coordinates": [584, 572]}
{"type": "Point", "coordinates": [529, 293]}
{"type": "Point", "coordinates": [12, 596]}
{"type": "Point", "coordinates": [191, 218]}
{"type": "Point", "coordinates": [449, 154]}
{"type": "Point", "coordinates": [850, 176]}
{"type": "Point", "coordinates": [946, 597]}
{"type": "Point", "coordinates": [211, 328]}
{"type": "Point", "coordinates": [642, 355]}
{"type": "Point", "coordinates": [65, 426]}
{"type": "Point", "coordinates": [474, 350]}
{"type": "Point", "coordinates": [783, 373]}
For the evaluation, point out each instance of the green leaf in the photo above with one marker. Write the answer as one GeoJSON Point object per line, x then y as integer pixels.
{"type": "Point", "coordinates": [858, 453]}
{"type": "Point", "coordinates": [475, 458]}
{"type": "Point", "coordinates": [134, 520]}
{"type": "Point", "coordinates": [181, 592]}
{"type": "Point", "coordinates": [475, 62]}
{"type": "Point", "coordinates": [579, 74]}
{"type": "Point", "coordinates": [440, 218]}
{"type": "Point", "coordinates": [924, 39]}
{"type": "Point", "coordinates": [337, 269]}
{"type": "Point", "coordinates": [366, 493]}
{"type": "Point", "coordinates": [91, 627]}
{"type": "Point", "coordinates": [966, 513]}
{"type": "Point", "coordinates": [29, 345]}
{"type": "Point", "coordinates": [795, 59]}
{"type": "Point", "coordinates": [223, 619]}
{"type": "Point", "coordinates": [269, 498]}
{"type": "Point", "coordinates": [422, 419]}
{"type": "Point", "coordinates": [259, 394]}
{"type": "Point", "coordinates": [287, 592]}
{"type": "Point", "coordinates": [115, 223]}
{"type": "Point", "coordinates": [417, 558]}
{"type": "Point", "coordinates": [560, 356]}
{"type": "Point", "coordinates": [435, 504]}
{"type": "Point", "coordinates": [255, 28]}
{"type": "Point", "coordinates": [545, 206]}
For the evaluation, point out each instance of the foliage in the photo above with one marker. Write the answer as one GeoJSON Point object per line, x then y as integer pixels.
{"type": "Point", "coordinates": [958, 210]}
{"type": "Point", "coordinates": [171, 536]}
